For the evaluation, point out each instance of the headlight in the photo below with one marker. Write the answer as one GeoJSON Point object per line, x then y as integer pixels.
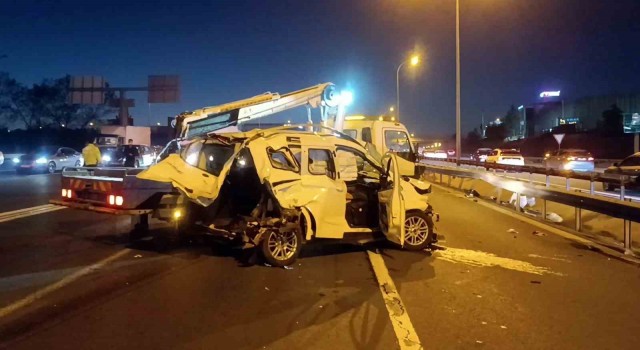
{"type": "Point", "coordinates": [106, 158]}
{"type": "Point", "coordinates": [41, 160]}
{"type": "Point", "coordinates": [16, 160]}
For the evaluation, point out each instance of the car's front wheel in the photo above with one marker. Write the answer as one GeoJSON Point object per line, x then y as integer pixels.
{"type": "Point", "coordinates": [51, 168]}
{"type": "Point", "coordinates": [281, 248]}
{"type": "Point", "coordinates": [416, 230]}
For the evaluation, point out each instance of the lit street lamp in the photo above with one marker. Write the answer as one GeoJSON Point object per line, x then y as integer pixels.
{"type": "Point", "coordinates": [415, 59]}
{"type": "Point", "coordinates": [391, 109]}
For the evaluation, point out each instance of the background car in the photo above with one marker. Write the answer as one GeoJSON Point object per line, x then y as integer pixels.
{"type": "Point", "coordinates": [436, 154]}
{"type": "Point", "coordinates": [481, 154]}
{"type": "Point", "coordinates": [451, 153]}
{"type": "Point", "coordinates": [47, 158]}
{"type": "Point", "coordinates": [146, 158]}
{"type": "Point", "coordinates": [629, 166]}
{"type": "Point", "coordinates": [505, 157]}
{"type": "Point", "coordinates": [569, 159]}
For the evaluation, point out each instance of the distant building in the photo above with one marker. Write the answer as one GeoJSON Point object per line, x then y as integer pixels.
{"type": "Point", "coordinates": [581, 114]}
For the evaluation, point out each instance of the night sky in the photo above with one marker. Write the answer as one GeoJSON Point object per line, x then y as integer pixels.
{"type": "Point", "coordinates": [226, 50]}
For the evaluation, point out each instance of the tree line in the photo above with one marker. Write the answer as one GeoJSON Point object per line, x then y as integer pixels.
{"type": "Point", "coordinates": [45, 105]}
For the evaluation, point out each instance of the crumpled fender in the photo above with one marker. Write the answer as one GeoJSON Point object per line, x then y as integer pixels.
{"type": "Point", "coordinates": [420, 186]}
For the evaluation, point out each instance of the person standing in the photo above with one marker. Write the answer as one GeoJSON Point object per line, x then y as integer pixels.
{"type": "Point", "coordinates": [91, 154]}
{"type": "Point", "coordinates": [131, 153]}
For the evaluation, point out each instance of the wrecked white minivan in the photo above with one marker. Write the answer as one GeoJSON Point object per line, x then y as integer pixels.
{"type": "Point", "coordinates": [279, 188]}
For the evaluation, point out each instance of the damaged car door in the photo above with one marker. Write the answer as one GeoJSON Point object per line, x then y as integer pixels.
{"type": "Point", "coordinates": [391, 203]}
{"type": "Point", "coordinates": [198, 171]}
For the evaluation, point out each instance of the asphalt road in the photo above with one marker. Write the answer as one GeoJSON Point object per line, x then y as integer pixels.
{"type": "Point", "coordinates": [69, 280]}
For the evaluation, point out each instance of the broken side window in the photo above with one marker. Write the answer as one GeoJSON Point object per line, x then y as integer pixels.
{"type": "Point", "coordinates": [282, 159]}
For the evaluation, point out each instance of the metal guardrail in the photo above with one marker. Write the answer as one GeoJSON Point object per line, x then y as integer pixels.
{"type": "Point", "coordinates": [616, 208]}
{"type": "Point", "coordinates": [615, 179]}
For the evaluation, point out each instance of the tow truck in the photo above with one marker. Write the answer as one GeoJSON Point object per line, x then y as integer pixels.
{"type": "Point", "coordinates": [271, 188]}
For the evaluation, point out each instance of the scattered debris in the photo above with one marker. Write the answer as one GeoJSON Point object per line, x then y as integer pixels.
{"type": "Point", "coordinates": [553, 217]}
{"type": "Point", "coordinates": [503, 327]}
{"type": "Point", "coordinates": [300, 277]}
{"type": "Point", "coordinates": [471, 193]}
{"type": "Point", "coordinates": [538, 233]}
{"type": "Point", "coordinates": [267, 265]}
{"type": "Point", "coordinates": [478, 296]}
{"type": "Point", "coordinates": [536, 282]}
{"type": "Point", "coordinates": [512, 231]}
{"type": "Point", "coordinates": [339, 281]}
{"type": "Point", "coordinates": [288, 268]}
{"type": "Point", "coordinates": [266, 288]}
{"type": "Point", "coordinates": [479, 341]}
{"type": "Point", "coordinates": [483, 322]}
{"type": "Point", "coordinates": [321, 306]}
{"type": "Point", "coordinates": [137, 256]}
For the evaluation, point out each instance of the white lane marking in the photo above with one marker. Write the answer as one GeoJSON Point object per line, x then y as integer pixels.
{"type": "Point", "coordinates": [31, 298]}
{"type": "Point", "coordinates": [548, 257]}
{"type": "Point", "coordinates": [483, 259]}
{"type": "Point", "coordinates": [22, 213]}
{"type": "Point", "coordinates": [406, 334]}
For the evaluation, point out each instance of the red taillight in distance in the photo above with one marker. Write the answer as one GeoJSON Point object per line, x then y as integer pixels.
{"type": "Point", "coordinates": [66, 193]}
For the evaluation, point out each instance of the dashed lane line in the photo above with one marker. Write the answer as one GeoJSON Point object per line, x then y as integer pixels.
{"type": "Point", "coordinates": [402, 326]}
{"type": "Point", "coordinates": [33, 297]}
{"type": "Point", "coordinates": [22, 213]}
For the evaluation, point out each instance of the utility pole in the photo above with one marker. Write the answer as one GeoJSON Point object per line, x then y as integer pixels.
{"type": "Point", "coordinates": [458, 136]}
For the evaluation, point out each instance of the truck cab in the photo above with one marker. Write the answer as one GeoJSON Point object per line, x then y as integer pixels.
{"type": "Point", "coordinates": [381, 135]}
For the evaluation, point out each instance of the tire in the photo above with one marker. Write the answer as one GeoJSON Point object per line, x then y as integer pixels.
{"type": "Point", "coordinates": [78, 163]}
{"type": "Point", "coordinates": [281, 249]}
{"type": "Point", "coordinates": [417, 226]}
{"type": "Point", "coordinates": [51, 167]}
{"type": "Point", "coordinates": [137, 164]}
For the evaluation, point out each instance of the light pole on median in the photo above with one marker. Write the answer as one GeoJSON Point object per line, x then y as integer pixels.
{"type": "Point", "coordinates": [458, 134]}
{"type": "Point", "coordinates": [415, 59]}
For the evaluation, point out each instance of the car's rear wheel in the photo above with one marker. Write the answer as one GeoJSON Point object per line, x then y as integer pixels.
{"type": "Point", "coordinates": [51, 167]}
{"type": "Point", "coordinates": [281, 248]}
{"type": "Point", "coordinates": [416, 227]}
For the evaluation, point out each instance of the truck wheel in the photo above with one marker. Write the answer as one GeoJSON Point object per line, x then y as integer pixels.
{"type": "Point", "coordinates": [51, 168]}
{"type": "Point", "coordinates": [417, 226]}
{"type": "Point", "coordinates": [281, 249]}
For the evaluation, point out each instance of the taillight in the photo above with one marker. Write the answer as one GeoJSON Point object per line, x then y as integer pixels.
{"type": "Point", "coordinates": [115, 200]}
{"type": "Point", "coordinates": [66, 193]}
{"type": "Point", "coordinates": [571, 158]}
{"type": "Point", "coordinates": [590, 158]}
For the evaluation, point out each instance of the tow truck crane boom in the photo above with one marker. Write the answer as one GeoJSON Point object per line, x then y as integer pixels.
{"type": "Point", "coordinates": [210, 119]}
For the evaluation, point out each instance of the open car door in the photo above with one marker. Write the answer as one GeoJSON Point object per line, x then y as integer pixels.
{"type": "Point", "coordinates": [199, 172]}
{"type": "Point", "coordinates": [391, 203]}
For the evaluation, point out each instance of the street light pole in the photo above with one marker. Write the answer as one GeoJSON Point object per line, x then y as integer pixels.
{"type": "Point", "coordinates": [398, 90]}
{"type": "Point", "coordinates": [458, 136]}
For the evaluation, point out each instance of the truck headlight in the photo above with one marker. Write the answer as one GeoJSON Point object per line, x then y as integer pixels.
{"type": "Point", "coordinates": [41, 160]}
{"type": "Point", "coordinates": [16, 160]}
{"type": "Point", "coordinates": [106, 158]}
